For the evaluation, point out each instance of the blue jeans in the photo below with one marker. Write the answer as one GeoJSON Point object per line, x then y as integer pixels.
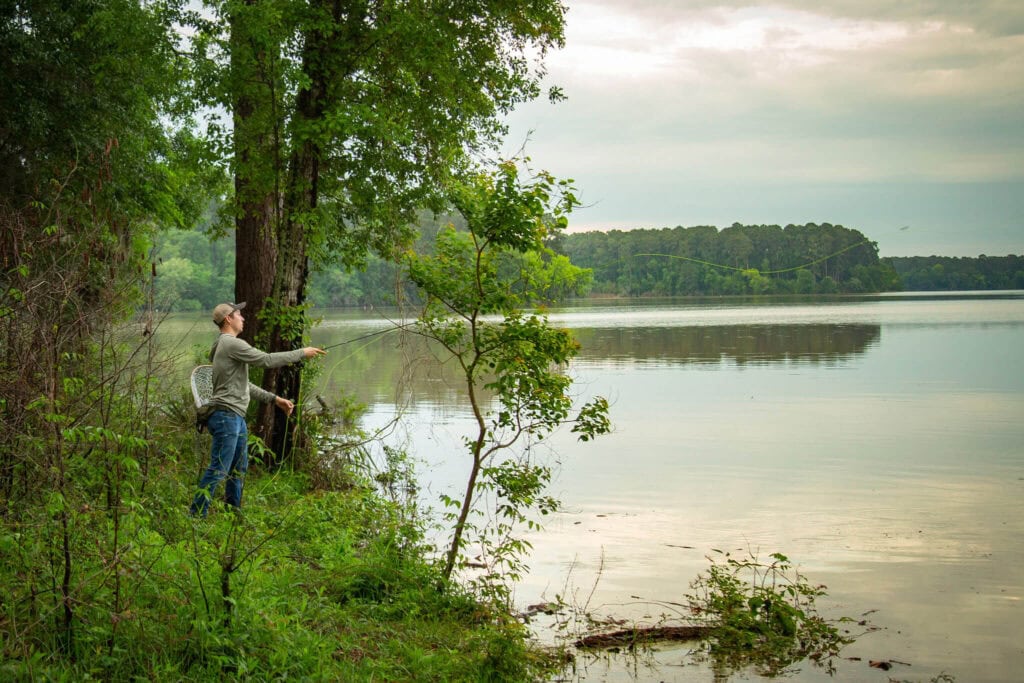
{"type": "Point", "coordinates": [229, 457]}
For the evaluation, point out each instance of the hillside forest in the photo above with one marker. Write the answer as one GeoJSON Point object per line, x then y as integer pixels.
{"type": "Point", "coordinates": [195, 272]}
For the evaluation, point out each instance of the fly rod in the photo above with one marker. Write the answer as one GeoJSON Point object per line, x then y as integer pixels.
{"type": "Point", "coordinates": [370, 334]}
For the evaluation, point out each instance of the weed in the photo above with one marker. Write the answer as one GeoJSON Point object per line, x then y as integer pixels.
{"type": "Point", "coordinates": [763, 615]}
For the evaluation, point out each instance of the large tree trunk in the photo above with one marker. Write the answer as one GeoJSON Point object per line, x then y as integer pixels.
{"type": "Point", "coordinates": [255, 264]}
{"type": "Point", "coordinates": [276, 268]}
{"type": "Point", "coordinates": [292, 268]}
{"type": "Point", "coordinates": [256, 138]}
{"type": "Point", "coordinates": [272, 425]}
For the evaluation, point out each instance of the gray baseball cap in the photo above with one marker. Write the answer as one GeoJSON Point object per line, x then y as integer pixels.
{"type": "Point", "coordinates": [221, 311]}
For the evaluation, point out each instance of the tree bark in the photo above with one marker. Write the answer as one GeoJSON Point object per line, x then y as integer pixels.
{"type": "Point", "coordinates": [256, 155]}
{"type": "Point", "coordinates": [259, 206]}
{"type": "Point", "coordinates": [291, 272]}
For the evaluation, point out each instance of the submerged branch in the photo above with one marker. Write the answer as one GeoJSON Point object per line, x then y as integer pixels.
{"type": "Point", "coordinates": [632, 636]}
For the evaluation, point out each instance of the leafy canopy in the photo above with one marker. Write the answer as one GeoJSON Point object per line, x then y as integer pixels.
{"type": "Point", "coordinates": [392, 99]}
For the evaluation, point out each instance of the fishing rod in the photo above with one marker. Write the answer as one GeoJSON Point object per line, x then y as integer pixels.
{"type": "Point", "coordinates": [370, 334]}
{"type": "Point", "coordinates": [671, 256]}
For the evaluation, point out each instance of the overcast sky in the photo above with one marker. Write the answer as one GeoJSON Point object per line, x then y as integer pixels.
{"type": "Point", "coordinates": [901, 118]}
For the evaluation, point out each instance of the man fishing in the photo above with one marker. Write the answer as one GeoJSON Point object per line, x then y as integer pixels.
{"type": "Point", "coordinates": [231, 358]}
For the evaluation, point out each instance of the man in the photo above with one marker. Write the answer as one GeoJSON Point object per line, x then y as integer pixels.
{"type": "Point", "coordinates": [231, 358]}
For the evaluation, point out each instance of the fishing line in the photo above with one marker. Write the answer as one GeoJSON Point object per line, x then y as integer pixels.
{"type": "Point", "coordinates": [354, 351]}
{"type": "Point", "coordinates": [762, 272]}
{"type": "Point", "coordinates": [300, 408]}
{"type": "Point", "coordinates": [371, 334]}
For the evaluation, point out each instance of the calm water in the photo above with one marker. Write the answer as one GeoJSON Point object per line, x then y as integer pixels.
{"type": "Point", "coordinates": [878, 442]}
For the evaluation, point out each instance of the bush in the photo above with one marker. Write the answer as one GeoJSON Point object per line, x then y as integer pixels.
{"type": "Point", "coordinates": [763, 615]}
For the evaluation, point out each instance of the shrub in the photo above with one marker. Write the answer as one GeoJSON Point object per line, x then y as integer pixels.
{"type": "Point", "coordinates": [763, 615]}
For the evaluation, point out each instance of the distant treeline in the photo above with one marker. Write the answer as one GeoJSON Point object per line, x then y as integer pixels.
{"type": "Point", "coordinates": [945, 273]}
{"type": "Point", "coordinates": [195, 273]}
{"type": "Point", "coordinates": [740, 259]}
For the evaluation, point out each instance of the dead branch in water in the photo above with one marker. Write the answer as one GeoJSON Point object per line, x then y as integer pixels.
{"type": "Point", "coordinates": [643, 635]}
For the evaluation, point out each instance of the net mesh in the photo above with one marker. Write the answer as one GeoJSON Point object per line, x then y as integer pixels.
{"type": "Point", "coordinates": [202, 384]}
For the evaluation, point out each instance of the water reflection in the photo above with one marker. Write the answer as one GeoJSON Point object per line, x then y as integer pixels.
{"type": "Point", "coordinates": [404, 367]}
{"type": "Point", "coordinates": [742, 344]}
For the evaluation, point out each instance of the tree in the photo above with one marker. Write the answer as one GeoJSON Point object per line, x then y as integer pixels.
{"type": "Point", "coordinates": [348, 116]}
{"type": "Point", "coordinates": [87, 172]}
{"type": "Point", "coordinates": [702, 260]}
{"type": "Point", "coordinates": [520, 357]}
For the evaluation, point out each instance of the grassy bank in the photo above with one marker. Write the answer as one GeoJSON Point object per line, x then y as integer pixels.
{"type": "Point", "coordinates": [304, 584]}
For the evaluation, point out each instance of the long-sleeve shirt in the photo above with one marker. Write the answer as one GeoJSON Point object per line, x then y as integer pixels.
{"type": "Point", "coordinates": [231, 360]}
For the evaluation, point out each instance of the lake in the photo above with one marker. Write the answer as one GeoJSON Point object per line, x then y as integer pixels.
{"type": "Point", "coordinates": [876, 441]}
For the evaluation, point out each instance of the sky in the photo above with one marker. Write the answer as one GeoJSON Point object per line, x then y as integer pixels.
{"type": "Point", "coordinates": [903, 119]}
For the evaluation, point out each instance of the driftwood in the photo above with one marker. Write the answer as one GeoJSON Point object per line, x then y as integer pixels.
{"type": "Point", "coordinates": [643, 635]}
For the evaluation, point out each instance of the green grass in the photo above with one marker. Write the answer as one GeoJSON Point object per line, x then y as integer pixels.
{"type": "Point", "coordinates": [323, 586]}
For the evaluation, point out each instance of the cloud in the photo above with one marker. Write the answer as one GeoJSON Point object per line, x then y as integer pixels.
{"type": "Point", "coordinates": [993, 17]}
{"type": "Point", "coordinates": [729, 95]}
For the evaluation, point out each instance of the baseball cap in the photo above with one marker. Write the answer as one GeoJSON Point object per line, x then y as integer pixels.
{"type": "Point", "coordinates": [222, 311]}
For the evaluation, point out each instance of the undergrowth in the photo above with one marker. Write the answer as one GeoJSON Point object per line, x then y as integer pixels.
{"type": "Point", "coordinates": [303, 584]}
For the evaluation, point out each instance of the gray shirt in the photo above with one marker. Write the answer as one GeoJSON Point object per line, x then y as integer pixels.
{"type": "Point", "coordinates": [231, 360]}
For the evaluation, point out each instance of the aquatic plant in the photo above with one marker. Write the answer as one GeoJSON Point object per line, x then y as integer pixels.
{"type": "Point", "coordinates": [763, 615]}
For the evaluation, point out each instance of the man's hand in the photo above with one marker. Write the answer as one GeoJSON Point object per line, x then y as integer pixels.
{"type": "Point", "coordinates": [284, 404]}
{"type": "Point", "coordinates": [311, 351]}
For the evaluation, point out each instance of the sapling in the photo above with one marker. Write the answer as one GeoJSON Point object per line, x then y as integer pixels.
{"type": "Point", "coordinates": [477, 285]}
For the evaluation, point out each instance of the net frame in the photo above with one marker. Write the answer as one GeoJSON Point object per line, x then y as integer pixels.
{"type": "Point", "coordinates": [201, 381]}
